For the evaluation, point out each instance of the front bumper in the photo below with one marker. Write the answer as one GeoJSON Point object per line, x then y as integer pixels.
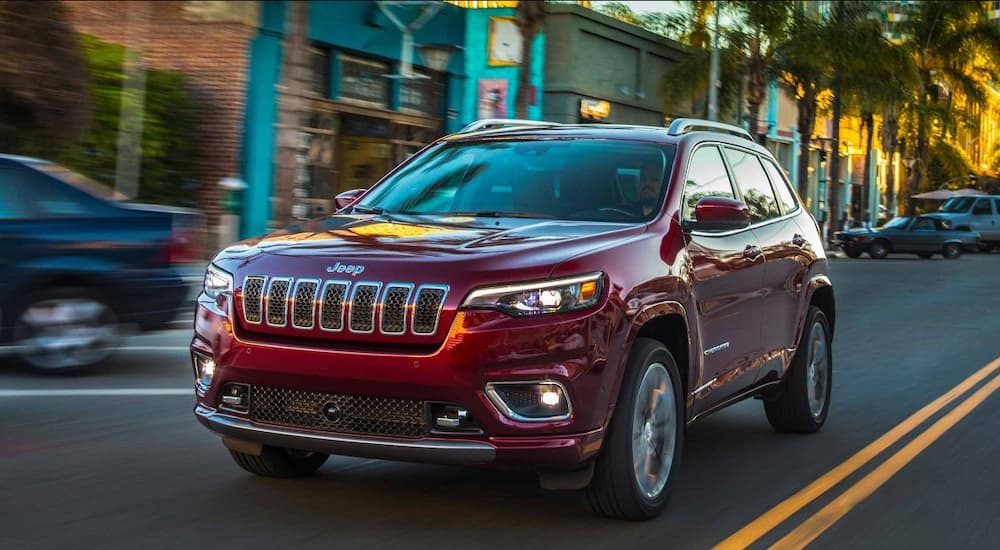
{"type": "Point", "coordinates": [548, 453]}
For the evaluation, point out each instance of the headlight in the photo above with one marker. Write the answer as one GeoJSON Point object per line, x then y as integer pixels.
{"type": "Point", "coordinates": [555, 296]}
{"type": "Point", "coordinates": [217, 282]}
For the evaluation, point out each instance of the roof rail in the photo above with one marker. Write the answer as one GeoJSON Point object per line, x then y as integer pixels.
{"type": "Point", "coordinates": [490, 123]}
{"type": "Point", "coordinates": [684, 125]}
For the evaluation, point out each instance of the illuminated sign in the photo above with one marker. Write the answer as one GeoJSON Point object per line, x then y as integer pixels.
{"type": "Point", "coordinates": [595, 109]}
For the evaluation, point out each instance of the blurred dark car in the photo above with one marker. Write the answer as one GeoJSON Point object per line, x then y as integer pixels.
{"type": "Point", "coordinates": [77, 265]}
{"type": "Point", "coordinates": [924, 236]}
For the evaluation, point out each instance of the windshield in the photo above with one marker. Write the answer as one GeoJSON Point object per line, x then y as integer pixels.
{"type": "Point", "coordinates": [959, 204]}
{"type": "Point", "coordinates": [897, 223]}
{"type": "Point", "coordinates": [78, 180]}
{"type": "Point", "coordinates": [574, 179]}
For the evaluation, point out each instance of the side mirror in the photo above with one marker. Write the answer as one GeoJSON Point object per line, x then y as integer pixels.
{"type": "Point", "coordinates": [718, 214]}
{"type": "Point", "coordinates": [347, 198]}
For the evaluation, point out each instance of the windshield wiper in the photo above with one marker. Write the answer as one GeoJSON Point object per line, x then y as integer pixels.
{"type": "Point", "coordinates": [369, 209]}
{"type": "Point", "coordinates": [495, 214]}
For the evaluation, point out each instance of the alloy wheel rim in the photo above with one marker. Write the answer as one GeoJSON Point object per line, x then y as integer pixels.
{"type": "Point", "coordinates": [64, 333]}
{"type": "Point", "coordinates": [817, 371]}
{"type": "Point", "coordinates": [654, 430]}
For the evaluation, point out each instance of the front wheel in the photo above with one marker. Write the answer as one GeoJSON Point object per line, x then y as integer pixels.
{"type": "Point", "coordinates": [642, 450]}
{"type": "Point", "coordinates": [952, 251]}
{"type": "Point", "coordinates": [878, 249]}
{"type": "Point", "coordinates": [65, 329]}
{"type": "Point", "coordinates": [280, 462]}
{"type": "Point", "coordinates": [804, 401]}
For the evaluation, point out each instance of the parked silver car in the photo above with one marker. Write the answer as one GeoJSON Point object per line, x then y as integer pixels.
{"type": "Point", "coordinates": [977, 214]}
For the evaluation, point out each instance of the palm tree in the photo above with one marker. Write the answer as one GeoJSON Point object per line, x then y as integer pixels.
{"type": "Point", "coordinates": [842, 22]}
{"type": "Point", "coordinates": [879, 78]}
{"type": "Point", "coordinates": [800, 65]}
{"type": "Point", "coordinates": [685, 84]}
{"type": "Point", "coordinates": [530, 18]}
{"type": "Point", "coordinates": [44, 98]}
{"type": "Point", "coordinates": [765, 26]}
{"type": "Point", "coordinates": [955, 48]}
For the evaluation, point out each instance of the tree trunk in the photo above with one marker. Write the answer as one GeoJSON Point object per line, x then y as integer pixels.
{"type": "Point", "coordinates": [833, 190]}
{"type": "Point", "coordinates": [294, 81]}
{"type": "Point", "coordinates": [756, 86]}
{"type": "Point", "coordinates": [524, 90]}
{"type": "Point", "coordinates": [806, 120]}
{"type": "Point", "coordinates": [920, 152]}
{"type": "Point", "coordinates": [868, 119]}
{"type": "Point", "coordinates": [890, 129]}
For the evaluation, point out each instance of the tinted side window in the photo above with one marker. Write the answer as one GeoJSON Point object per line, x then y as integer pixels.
{"type": "Point", "coordinates": [786, 198]}
{"type": "Point", "coordinates": [706, 177]}
{"type": "Point", "coordinates": [753, 182]}
{"type": "Point", "coordinates": [12, 205]}
{"type": "Point", "coordinates": [982, 208]}
{"type": "Point", "coordinates": [47, 197]}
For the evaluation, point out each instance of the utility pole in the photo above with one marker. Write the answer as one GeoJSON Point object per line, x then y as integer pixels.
{"type": "Point", "coordinates": [713, 75]}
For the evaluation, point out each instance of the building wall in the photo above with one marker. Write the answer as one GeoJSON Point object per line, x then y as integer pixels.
{"type": "Point", "coordinates": [208, 41]}
{"type": "Point", "coordinates": [591, 55]}
{"type": "Point", "coordinates": [476, 67]}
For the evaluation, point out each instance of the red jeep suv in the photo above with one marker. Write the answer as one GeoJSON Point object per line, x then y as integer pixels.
{"type": "Point", "coordinates": [563, 298]}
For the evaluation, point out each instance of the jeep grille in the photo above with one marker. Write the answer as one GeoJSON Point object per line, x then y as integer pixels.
{"type": "Point", "coordinates": [363, 306]}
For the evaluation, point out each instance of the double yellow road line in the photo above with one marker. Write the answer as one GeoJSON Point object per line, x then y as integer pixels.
{"type": "Point", "coordinates": [822, 520]}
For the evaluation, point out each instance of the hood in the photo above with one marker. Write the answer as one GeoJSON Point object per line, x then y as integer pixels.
{"type": "Point", "coordinates": [432, 245]}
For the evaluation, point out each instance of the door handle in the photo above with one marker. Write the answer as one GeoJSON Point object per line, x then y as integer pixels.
{"type": "Point", "coordinates": [751, 252]}
{"type": "Point", "coordinates": [799, 240]}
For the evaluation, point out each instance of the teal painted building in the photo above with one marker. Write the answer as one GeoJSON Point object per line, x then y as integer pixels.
{"type": "Point", "coordinates": [362, 120]}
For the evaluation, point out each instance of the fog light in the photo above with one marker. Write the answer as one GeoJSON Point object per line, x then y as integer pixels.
{"type": "Point", "coordinates": [530, 401]}
{"type": "Point", "coordinates": [204, 369]}
{"type": "Point", "coordinates": [235, 397]}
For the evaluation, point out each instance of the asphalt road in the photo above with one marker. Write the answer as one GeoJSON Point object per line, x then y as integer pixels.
{"type": "Point", "coordinates": [140, 472]}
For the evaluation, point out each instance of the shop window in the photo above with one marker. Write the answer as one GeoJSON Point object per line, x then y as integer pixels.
{"type": "Point", "coordinates": [320, 59]}
{"type": "Point", "coordinates": [421, 94]}
{"type": "Point", "coordinates": [364, 79]}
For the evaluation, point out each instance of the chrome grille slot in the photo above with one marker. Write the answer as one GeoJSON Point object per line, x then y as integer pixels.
{"type": "Point", "coordinates": [277, 301]}
{"type": "Point", "coordinates": [331, 315]}
{"type": "Point", "coordinates": [427, 308]}
{"type": "Point", "coordinates": [393, 312]}
{"type": "Point", "coordinates": [304, 303]}
{"type": "Point", "coordinates": [363, 306]}
{"type": "Point", "coordinates": [356, 414]}
{"type": "Point", "coordinates": [253, 297]}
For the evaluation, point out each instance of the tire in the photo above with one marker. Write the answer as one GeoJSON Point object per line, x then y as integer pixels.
{"type": "Point", "coordinates": [280, 462]}
{"type": "Point", "coordinates": [797, 408]}
{"type": "Point", "coordinates": [925, 255]}
{"type": "Point", "coordinates": [852, 252]}
{"type": "Point", "coordinates": [879, 249]}
{"type": "Point", "coordinates": [952, 251]}
{"type": "Point", "coordinates": [63, 330]}
{"type": "Point", "coordinates": [650, 394]}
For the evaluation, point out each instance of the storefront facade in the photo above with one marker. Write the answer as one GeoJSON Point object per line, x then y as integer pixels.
{"type": "Point", "coordinates": [363, 119]}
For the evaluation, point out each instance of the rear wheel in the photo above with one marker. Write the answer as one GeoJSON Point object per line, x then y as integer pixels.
{"type": "Point", "coordinates": [280, 462]}
{"type": "Point", "coordinates": [641, 452]}
{"type": "Point", "coordinates": [804, 401]}
{"type": "Point", "coordinates": [851, 252]}
{"type": "Point", "coordinates": [952, 251]}
{"type": "Point", "coordinates": [65, 329]}
{"type": "Point", "coordinates": [879, 249]}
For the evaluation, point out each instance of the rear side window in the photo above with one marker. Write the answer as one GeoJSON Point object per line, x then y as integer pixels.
{"type": "Point", "coordinates": [786, 198]}
{"type": "Point", "coordinates": [753, 182]}
{"type": "Point", "coordinates": [982, 208]}
{"type": "Point", "coordinates": [706, 177]}
{"type": "Point", "coordinates": [12, 205]}
{"type": "Point", "coordinates": [45, 197]}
